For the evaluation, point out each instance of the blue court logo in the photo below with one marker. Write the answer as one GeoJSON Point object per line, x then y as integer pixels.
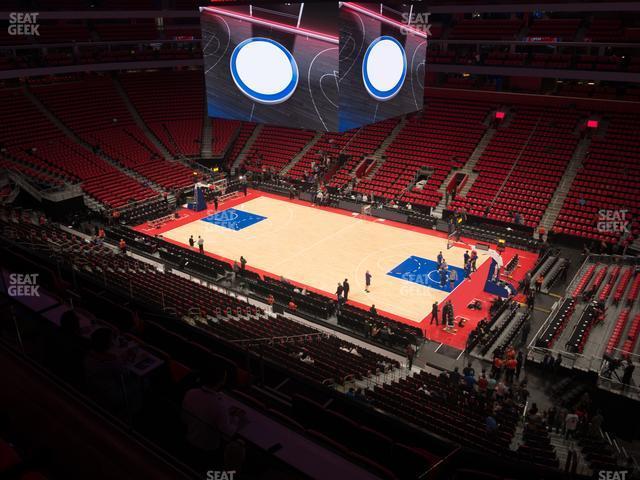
{"type": "Point", "coordinates": [264, 70]}
{"type": "Point", "coordinates": [423, 271]}
{"type": "Point", "coordinates": [234, 219]}
{"type": "Point", "coordinates": [384, 68]}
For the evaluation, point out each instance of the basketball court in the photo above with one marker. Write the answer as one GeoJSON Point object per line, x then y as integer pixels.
{"type": "Point", "coordinates": [317, 247]}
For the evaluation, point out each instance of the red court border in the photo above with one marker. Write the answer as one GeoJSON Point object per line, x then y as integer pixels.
{"type": "Point", "coordinates": [460, 297]}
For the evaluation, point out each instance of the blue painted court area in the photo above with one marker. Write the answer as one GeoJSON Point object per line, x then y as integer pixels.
{"type": "Point", "coordinates": [424, 272]}
{"type": "Point", "coordinates": [233, 219]}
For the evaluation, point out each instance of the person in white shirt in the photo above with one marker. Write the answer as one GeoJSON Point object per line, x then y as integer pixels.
{"type": "Point", "coordinates": [207, 414]}
{"type": "Point", "coordinates": [306, 358]}
{"type": "Point", "coordinates": [571, 424]}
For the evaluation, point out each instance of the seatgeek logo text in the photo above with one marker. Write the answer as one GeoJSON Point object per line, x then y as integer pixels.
{"type": "Point", "coordinates": [23, 24]}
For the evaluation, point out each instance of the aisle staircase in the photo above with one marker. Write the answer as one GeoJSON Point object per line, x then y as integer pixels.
{"type": "Point", "coordinates": [140, 123]}
{"type": "Point", "coordinates": [72, 135]}
{"type": "Point", "coordinates": [379, 155]}
{"type": "Point", "coordinates": [206, 150]}
{"type": "Point", "coordinates": [466, 169]}
{"type": "Point", "coordinates": [247, 147]}
{"type": "Point", "coordinates": [310, 144]}
{"type": "Point", "coordinates": [562, 191]}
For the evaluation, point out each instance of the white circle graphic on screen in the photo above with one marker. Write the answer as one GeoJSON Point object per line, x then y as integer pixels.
{"type": "Point", "coordinates": [384, 68]}
{"type": "Point", "coordinates": [264, 70]}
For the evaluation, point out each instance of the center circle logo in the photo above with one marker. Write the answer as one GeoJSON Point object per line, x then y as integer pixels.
{"type": "Point", "coordinates": [264, 70]}
{"type": "Point", "coordinates": [384, 68]}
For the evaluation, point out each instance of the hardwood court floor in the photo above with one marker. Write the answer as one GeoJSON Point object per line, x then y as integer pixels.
{"type": "Point", "coordinates": [319, 248]}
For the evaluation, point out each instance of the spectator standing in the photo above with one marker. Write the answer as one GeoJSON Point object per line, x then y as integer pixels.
{"type": "Point", "coordinates": [483, 383]}
{"type": "Point", "coordinates": [526, 328]}
{"type": "Point", "coordinates": [367, 281]}
{"type": "Point", "coordinates": [467, 270]}
{"type": "Point", "coordinates": [491, 424]}
{"type": "Point", "coordinates": [468, 370]}
{"type": "Point", "coordinates": [208, 416]}
{"type": "Point", "coordinates": [453, 278]}
{"type": "Point", "coordinates": [410, 352]}
{"type": "Point", "coordinates": [292, 305]}
{"type": "Point", "coordinates": [434, 313]}
{"type": "Point", "coordinates": [443, 277]}
{"type": "Point", "coordinates": [519, 364]}
{"type": "Point", "coordinates": [510, 369]}
{"type": "Point", "coordinates": [571, 424]}
{"type": "Point", "coordinates": [497, 366]}
{"type": "Point", "coordinates": [526, 288]}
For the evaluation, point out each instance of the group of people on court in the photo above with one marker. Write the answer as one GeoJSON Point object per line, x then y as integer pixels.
{"type": "Point", "coordinates": [450, 275]}
{"type": "Point", "coordinates": [200, 242]}
{"type": "Point", "coordinates": [448, 316]}
{"type": "Point", "coordinates": [342, 292]}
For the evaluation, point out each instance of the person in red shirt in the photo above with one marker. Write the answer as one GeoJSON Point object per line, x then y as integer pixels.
{"type": "Point", "coordinates": [497, 366]}
{"type": "Point", "coordinates": [482, 383]}
{"type": "Point", "coordinates": [292, 306]}
{"type": "Point", "coordinates": [510, 369]}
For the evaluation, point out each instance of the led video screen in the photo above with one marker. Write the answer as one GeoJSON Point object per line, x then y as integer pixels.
{"type": "Point", "coordinates": [382, 64]}
{"type": "Point", "coordinates": [317, 66]}
{"type": "Point", "coordinates": [266, 71]}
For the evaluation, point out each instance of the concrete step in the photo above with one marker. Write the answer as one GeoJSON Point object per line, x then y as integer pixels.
{"type": "Point", "coordinates": [563, 188]}
{"type": "Point", "coordinates": [563, 446]}
{"type": "Point", "coordinates": [301, 153]}
{"type": "Point", "coordinates": [379, 154]}
{"type": "Point", "coordinates": [247, 146]}
{"type": "Point", "coordinates": [72, 135]}
{"type": "Point", "coordinates": [140, 122]}
{"type": "Point", "coordinates": [381, 150]}
{"type": "Point", "coordinates": [467, 169]}
{"type": "Point", "coordinates": [207, 134]}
